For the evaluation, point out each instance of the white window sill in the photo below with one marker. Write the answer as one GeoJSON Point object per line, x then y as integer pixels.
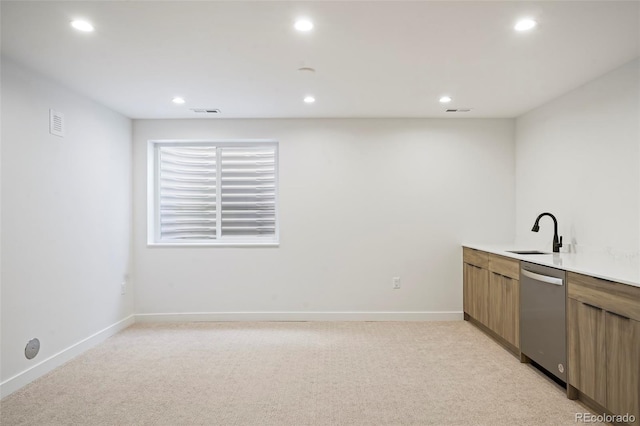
{"type": "Point", "coordinates": [229, 244]}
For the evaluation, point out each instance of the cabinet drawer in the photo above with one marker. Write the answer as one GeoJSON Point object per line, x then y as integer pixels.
{"type": "Point", "coordinates": [614, 297]}
{"type": "Point", "coordinates": [475, 257]}
{"type": "Point", "coordinates": [504, 266]}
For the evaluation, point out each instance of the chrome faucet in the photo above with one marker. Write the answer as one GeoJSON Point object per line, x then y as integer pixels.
{"type": "Point", "coordinates": [557, 242]}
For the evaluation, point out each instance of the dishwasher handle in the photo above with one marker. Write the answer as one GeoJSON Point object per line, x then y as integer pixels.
{"type": "Point", "coordinates": [543, 278]}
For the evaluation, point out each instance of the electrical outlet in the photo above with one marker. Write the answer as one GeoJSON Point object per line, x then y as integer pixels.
{"type": "Point", "coordinates": [396, 282]}
{"type": "Point", "coordinates": [123, 287]}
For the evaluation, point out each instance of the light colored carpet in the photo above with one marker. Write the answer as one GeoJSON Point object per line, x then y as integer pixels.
{"type": "Point", "coordinates": [304, 373]}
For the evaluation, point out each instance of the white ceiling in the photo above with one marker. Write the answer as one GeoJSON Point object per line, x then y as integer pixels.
{"type": "Point", "coordinates": [372, 59]}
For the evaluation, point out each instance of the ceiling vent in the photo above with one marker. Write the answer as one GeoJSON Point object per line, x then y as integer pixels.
{"type": "Point", "coordinates": [56, 123]}
{"type": "Point", "coordinates": [206, 110]}
{"type": "Point", "coordinates": [458, 110]}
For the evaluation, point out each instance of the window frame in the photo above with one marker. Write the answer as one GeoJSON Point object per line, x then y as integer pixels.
{"type": "Point", "coordinates": [153, 194]}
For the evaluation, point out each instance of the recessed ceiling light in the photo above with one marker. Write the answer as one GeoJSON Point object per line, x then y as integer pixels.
{"type": "Point", "coordinates": [177, 100]}
{"type": "Point", "coordinates": [525, 25]}
{"type": "Point", "coordinates": [309, 99]}
{"type": "Point", "coordinates": [81, 25]}
{"type": "Point", "coordinates": [445, 99]}
{"type": "Point", "coordinates": [303, 25]}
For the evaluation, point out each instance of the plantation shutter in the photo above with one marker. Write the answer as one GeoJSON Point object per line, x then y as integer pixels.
{"type": "Point", "coordinates": [187, 193]}
{"type": "Point", "coordinates": [248, 192]}
{"type": "Point", "coordinates": [215, 192]}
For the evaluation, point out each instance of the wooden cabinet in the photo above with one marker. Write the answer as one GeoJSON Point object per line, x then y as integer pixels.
{"type": "Point", "coordinates": [491, 293]}
{"type": "Point", "coordinates": [473, 286]}
{"type": "Point", "coordinates": [586, 350]}
{"type": "Point", "coordinates": [496, 303]}
{"type": "Point", "coordinates": [481, 299]}
{"type": "Point", "coordinates": [476, 287]}
{"type": "Point", "coordinates": [623, 365]}
{"type": "Point", "coordinates": [603, 336]}
{"type": "Point", "coordinates": [603, 327]}
{"type": "Point", "coordinates": [504, 291]}
{"type": "Point", "coordinates": [508, 323]}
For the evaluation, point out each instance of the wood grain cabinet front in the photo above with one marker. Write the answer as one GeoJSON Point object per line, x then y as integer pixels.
{"type": "Point", "coordinates": [511, 324]}
{"type": "Point", "coordinates": [504, 296]}
{"type": "Point", "coordinates": [475, 284]}
{"type": "Point", "coordinates": [476, 293]}
{"type": "Point", "coordinates": [603, 335]}
{"type": "Point", "coordinates": [492, 293]}
{"type": "Point", "coordinates": [623, 365]}
{"type": "Point", "coordinates": [586, 352]}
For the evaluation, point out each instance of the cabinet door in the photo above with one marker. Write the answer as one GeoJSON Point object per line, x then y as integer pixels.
{"type": "Point", "coordinates": [586, 355]}
{"type": "Point", "coordinates": [511, 315]}
{"type": "Point", "coordinates": [496, 303]}
{"type": "Point", "coordinates": [481, 299]}
{"type": "Point", "coordinates": [504, 307]}
{"type": "Point", "coordinates": [468, 289]}
{"type": "Point", "coordinates": [623, 365]}
{"type": "Point", "coordinates": [476, 292]}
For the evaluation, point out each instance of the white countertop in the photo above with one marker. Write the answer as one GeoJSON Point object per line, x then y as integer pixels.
{"type": "Point", "coordinates": [600, 265]}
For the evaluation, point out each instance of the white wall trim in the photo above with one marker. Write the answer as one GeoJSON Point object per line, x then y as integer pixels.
{"type": "Point", "coordinates": [27, 376]}
{"type": "Point", "coordinates": [301, 316]}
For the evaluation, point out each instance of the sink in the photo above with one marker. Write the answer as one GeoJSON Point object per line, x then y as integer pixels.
{"type": "Point", "coordinates": [527, 252]}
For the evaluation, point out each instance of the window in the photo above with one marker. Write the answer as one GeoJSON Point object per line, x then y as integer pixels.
{"type": "Point", "coordinates": [213, 193]}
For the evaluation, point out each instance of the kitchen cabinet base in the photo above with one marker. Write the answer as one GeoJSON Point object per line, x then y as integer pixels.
{"type": "Point", "coordinates": [592, 406]}
{"type": "Point", "coordinates": [572, 393]}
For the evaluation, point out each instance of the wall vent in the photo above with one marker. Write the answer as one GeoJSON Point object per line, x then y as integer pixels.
{"type": "Point", "coordinates": [458, 110]}
{"type": "Point", "coordinates": [206, 110]}
{"type": "Point", "coordinates": [32, 348]}
{"type": "Point", "coordinates": [56, 123]}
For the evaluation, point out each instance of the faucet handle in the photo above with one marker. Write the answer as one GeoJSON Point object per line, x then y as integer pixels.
{"type": "Point", "coordinates": [560, 244]}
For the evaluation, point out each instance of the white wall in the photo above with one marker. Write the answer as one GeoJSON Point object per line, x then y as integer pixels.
{"type": "Point", "coordinates": [577, 157]}
{"type": "Point", "coordinates": [361, 201]}
{"type": "Point", "coordinates": [66, 222]}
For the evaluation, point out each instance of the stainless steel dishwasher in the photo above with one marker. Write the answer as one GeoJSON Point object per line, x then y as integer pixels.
{"type": "Point", "coordinates": [543, 317]}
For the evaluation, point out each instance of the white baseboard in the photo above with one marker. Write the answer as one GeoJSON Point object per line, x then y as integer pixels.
{"type": "Point", "coordinates": [25, 377]}
{"type": "Point", "coordinates": [300, 316]}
